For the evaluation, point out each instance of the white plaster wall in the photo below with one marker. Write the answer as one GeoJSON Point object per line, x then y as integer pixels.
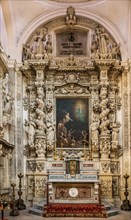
{"type": "Point", "coordinates": [3, 34]}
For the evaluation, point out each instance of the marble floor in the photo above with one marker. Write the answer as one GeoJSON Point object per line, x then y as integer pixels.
{"type": "Point", "coordinates": [24, 215]}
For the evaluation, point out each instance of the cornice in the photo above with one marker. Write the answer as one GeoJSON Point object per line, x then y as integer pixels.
{"type": "Point", "coordinates": [38, 64]}
{"type": "Point", "coordinates": [6, 144]}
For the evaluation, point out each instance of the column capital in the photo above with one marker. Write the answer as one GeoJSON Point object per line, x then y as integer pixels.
{"type": "Point", "coordinates": [104, 64]}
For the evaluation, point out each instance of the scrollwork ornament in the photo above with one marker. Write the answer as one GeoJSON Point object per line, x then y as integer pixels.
{"type": "Point", "coordinates": [30, 187]}
{"type": "Point", "coordinates": [105, 166]}
{"type": "Point", "coordinates": [105, 147]}
{"type": "Point", "coordinates": [106, 188]}
{"type": "Point", "coordinates": [40, 166]}
{"type": "Point", "coordinates": [40, 187]}
{"type": "Point", "coordinates": [40, 146]}
{"type": "Point", "coordinates": [114, 166]}
{"type": "Point", "coordinates": [31, 166]}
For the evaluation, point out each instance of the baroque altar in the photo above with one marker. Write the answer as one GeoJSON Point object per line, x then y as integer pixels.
{"type": "Point", "coordinates": [70, 103]}
{"type": "Point", "coordinates": [70, 184]}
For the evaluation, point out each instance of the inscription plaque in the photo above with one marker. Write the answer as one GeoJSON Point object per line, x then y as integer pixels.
{"type": "Point", "coordinates": [72, 42]}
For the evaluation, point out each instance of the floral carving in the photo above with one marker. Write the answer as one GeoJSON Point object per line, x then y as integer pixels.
{"type": "Point", "coordinates": [40, 187]}
{"type": "Point", "coordinates": [31, 166]}
{"type": "Point", "coordinates": [106, 188]}
{"type": "Point", "coordinates": [114, 167]}
{"type": "Point", "coordinates": [31, 187]}
{"type": "Point", "coordinates": [40, 166]}
{"type": "Point", "coordinates": [105, 167]}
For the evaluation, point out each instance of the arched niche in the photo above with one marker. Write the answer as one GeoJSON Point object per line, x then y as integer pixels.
{"type": "Point", "coordinates": [43, 20]}
{"type": "Point", "coordinates": [90, 36]}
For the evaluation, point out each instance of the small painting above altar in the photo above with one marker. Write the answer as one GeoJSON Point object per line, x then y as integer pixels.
{"type": "Point", "coordinates": [72, 116]}
{"type": "Point", "coordinates": [72, 42]}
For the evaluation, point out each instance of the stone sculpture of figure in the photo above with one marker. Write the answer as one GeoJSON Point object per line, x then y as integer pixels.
{"type": "Point", "coordinates": [40, 125]}
{"type": "Point", "coordinates": [104, 126]}
{"type": "Point", "coordinates": [71, 61]}
{"type": "Point", "coordinates": [48, 46]}
{"type": "Point", "coordinates": [40, 113]}
{"type": "Point", "coordinates": [30, 129]}
{"type": "Point", "coordinates": [94, 131]}
{"type": "Point", "coordinates": [40, 103]}
{"type": "Point", "coordinates": [8, 104]}
{"type": "Point", "coordinates": [39, 38]}
{"type": "Point", "coordinates": [115, 131]}
{"type": "Point", "coordinates": [115, 51]}
{"type": "Point", "coordinates": [70, 17]}
{"type": "Point", "coordinates": [95, 55]}
{"type": "Point", "coordinates": [45, 55]}
{"type": "Point", "coordinates": [44, 33]}
{"type": "Point", "coordinates": [27, 52]}
{"type": "Point", "coordinates": [40, 46]}
{"type": "Point", "coordinates": [94, 44]}
{"type": "Point", "coordinates": [5, 84]}
{"type": "Point", "coordinates": [103, 41]}
{"type": "Point", "coordinates": [50, 134]}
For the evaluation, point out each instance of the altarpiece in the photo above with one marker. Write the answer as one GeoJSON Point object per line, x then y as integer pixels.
{"type": "Point", "coordinates": [71, 99]}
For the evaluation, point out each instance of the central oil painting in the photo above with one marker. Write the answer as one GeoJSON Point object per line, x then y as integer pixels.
{"type": "Point", "coordinates": [72, 121]}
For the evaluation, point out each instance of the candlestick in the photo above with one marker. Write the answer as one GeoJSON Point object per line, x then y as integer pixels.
{"type": "Point", "coordinates": [126, 205]}
{"type": "Point", "coordinates": [55, 152]}
{"type": "Point", "coordinates": [19, 202]}
{"type": "Point", "coordinates": [90, 153]}
{"type": "Point", "coordinates": [14, 210]}
{"type": "Point", "coordinates": [85, 152]}
{"type": "Point", "coordinates": [61, 153]}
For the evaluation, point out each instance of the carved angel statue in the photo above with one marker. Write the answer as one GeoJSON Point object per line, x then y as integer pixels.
{"type": "Point", "coordinates": [8, 104]}
{"type": "Point", "coordinates": [115, 51]}
{"type": "Point", "coordinates": [103, 41]}
{"type": "Point", "coordinates": [50, 134]}
{"type": "Point", "coordinates": [48, 46]}
{"type": "Point", "coordinates": [27, 52]}
{"type": "Point", "coordinates": [39, 38]}
{"type": "Point", "coordinates": [30, 129]}
{"type": "Point", "coordinates": [71, 60]}
{"type": "Point", "coordinates": [115, 131]}
{"type": "Point", "coordinates": [94, 131]}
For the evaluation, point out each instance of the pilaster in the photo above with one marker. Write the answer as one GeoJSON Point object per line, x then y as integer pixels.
{"type": "Point", "coordinates": [104, 67]}
{"type": "Point", "coordinates": [36, 162]}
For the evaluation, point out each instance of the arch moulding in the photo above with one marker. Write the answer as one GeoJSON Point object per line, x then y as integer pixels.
{"type": "Point", "coordinates": [52, 16]}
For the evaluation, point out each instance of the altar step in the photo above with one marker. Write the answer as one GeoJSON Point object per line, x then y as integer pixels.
{"type": "Point", "coordinates": [74, 210]}
{"type": "Point", "coordinates": [38, 209]}
{"type": "Point", "coordinates": [110, 209]}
